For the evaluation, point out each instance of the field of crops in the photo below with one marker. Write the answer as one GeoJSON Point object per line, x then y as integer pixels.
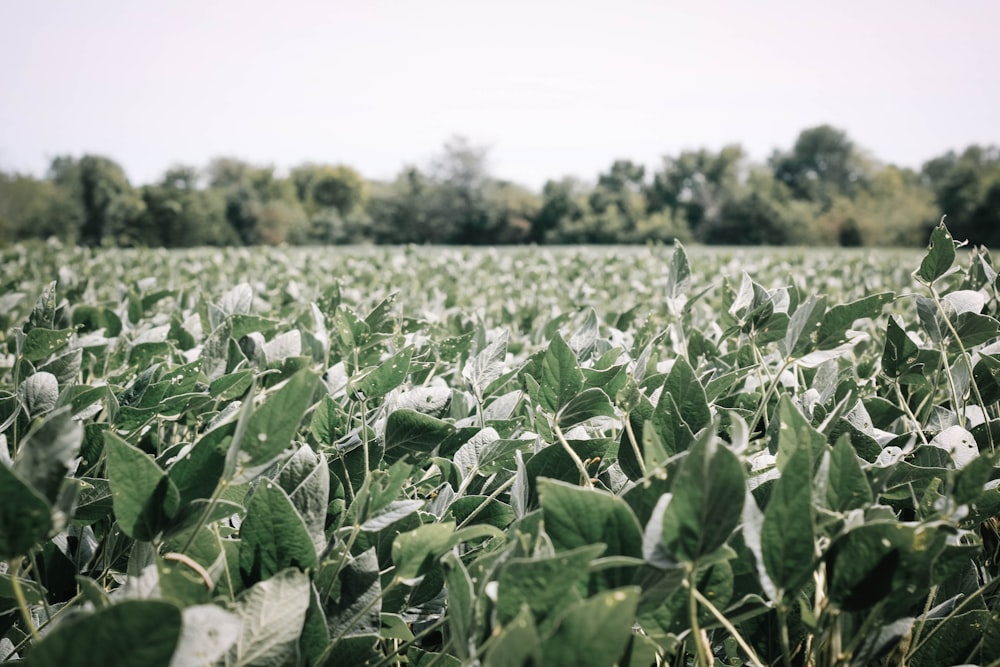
{"type": "Point", "coordinates": [526, 456]}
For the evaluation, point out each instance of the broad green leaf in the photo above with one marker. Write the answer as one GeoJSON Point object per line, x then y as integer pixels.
{"type": "Point", "coordinates": [132, 633]}
{"type": "Point", "coordinates": [708, 495]}
{"type": "Point", "coordinates": [24, 515]}
{"type": "Point", "coordinates": [415, 432]}
{"type": "Point", "coordinates": [594, 631]}
{"type": "Point", "coordinates": [47, 453]}
{"type": "Point", "coordinates": [357, 610]}
{"type": "Point", "coordinates": [545, 584]}
{"type": "Point", "coordinates": [684, 388]}
{"type": "Point", "coordinates": [461, 602]}
{"type": "Point", "coordinates": [679, 276]}
{"type": "Point", "coordinates": [197, 472]}
{"type": "Point", "coordinates": [207, 633]}
{"type": "Point", "coordinates": [273, 536]}
{"type": "Point", "coordinates": [672, 615]}
{"type": "Point", "coordinates": [877, 560]}
{"type": "Point", "coordinates": [486, 365]}
{"type": "Point", "coordinates": [517, 643]}
{"type": "Point", "coordinates": [560, 378]}
{"type": "Point", "coordinates": [272, 613]}
{"type": "Point", "coordinates": [837, 320]}
{"type": "Point", "coordinates": [940, 255]}
{"type": "Point", "coordinates": [803, 325]}
{"type": "Point", "coordinates": [38, 393]}
{"type": "Point", "coordinates": [846, 487]}
{"type": "Point", "coordinates": [588, 404]}
{"type": "Point", "coordinates": [306, 480]}
{"type": "Point", "coordinates": [385, 377]}
{"type": "Point", "coordinates": [949, 641]}
{"type": "Point", "coordinates": [900, 353]}
{"type": "Point", "coordinates": [414, 551]}
{"type": "Point", "coordinates": [788, 534]}
{"type": "Point", "coordinates": [795, 432]}
{"type": "Point", "coordinates": [143, 496]}
{"type": "Point", "coordinates": [273, 424]}
{"type": "Point", "coordinates": [576, 517]}
{"type": "Point", "coordinates": [42, 343]}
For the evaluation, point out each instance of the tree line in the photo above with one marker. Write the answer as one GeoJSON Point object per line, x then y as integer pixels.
{"type": "Point", "coordinates": [824, 190]}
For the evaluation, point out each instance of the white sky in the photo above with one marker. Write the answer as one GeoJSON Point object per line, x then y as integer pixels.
{"type": "Point", "coordinates": [555, 88]}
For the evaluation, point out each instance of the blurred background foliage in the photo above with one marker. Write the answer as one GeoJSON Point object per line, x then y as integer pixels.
{"type": "Point", "coordinates": [823, 190]}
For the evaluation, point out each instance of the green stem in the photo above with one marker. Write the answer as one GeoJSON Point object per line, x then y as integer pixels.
{"type": "Point", "coordinates": [584, 475]}
{"type": "Point", "coordinates": [486, 501]}
{"type": "Point", "coordinates": [730, 628]}
{"type": "Point", "coordinates": [354, 621]}
{"type": "Point", "coordinates": [635, 443]}
{"type": "Point", "coordinates": [903, 403]}
{"type": "Point", "coordinates": [22, 601]}
{"type": "Point", "coordinates": [703, 656]}
{"type": "Point", "coordinates": [762, 408]}
{"type": "Point", "coordinates": [968, 362]}
{"type": "Point", "coordinates": [786, 647]}
{"type": "Point", "coordinates": [402, 646]}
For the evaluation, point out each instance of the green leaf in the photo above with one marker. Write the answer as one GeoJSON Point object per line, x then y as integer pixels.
{"type": "Point", "coordinates": [415, 432]}
{"type": "Point", "coordinates": [900, 353]}
{"type": "Point", "coordinates": [385, 377]}
{"type": "Point", "coordinates": [273, 424]}
{"type": "Point", "coordinates": [679, 276]}
{"type": "Point", "coordinates": [802, 326]}
{"type": "Point", "coordinates": [846, 486]}
{"type": "Point", "coordinates": [836, 322]}
{"type": "Point", "coordinates": [683, 386]}
{"type": "Point", "coordinates": [273, 536]}
{"type": "Point", "coordinates": [877, 560]}
{"type": "Point", "coordinates": [545, 584]}
{"type": "Point", "coordinates": [272, 613]}
{"type": "Point", "coordinates": [949, 641]}
{"type": "Point", "coordinates": [788, 534]}
{"type": "Point", "coordinates": [414, 551]}
{"type": "Point", "coordinates": [461, 602]}
{"type": "Point", "coordinates": [576, 517]}
{"type": "Point", "coordinates": [517, 643]}
{"type": "Point", "coordinates": [306, 480]}
{"type": "Point", "coordinates": [588, 404]}
{"type": "Point", "coordinates": [795, 432]}
{"type": "Point", "coordinates": [25, 516]}
{"type": "Point", "coordinates": [42, 343]}
{"type": "Point", "coordinates": [132, 633]}
{"type": "Point", "coordinates": [144, 498]}
{"type": "Point", "coordinates": [357, 610]}
{"type": "Point", "coordinates": [708, 495]}
{"type": "Point", "coordinates": [940, 255]}
{"type": "Point", "coordinates": [206, 635]}
{"type": "Point", "coordinates": [594, 631]}
{"type": "Point", "coordinates": [560, 378]}
{"type": "Point", "coordinates": [47, 453]}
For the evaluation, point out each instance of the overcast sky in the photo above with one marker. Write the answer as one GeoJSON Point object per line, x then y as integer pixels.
{"type": "Point", "coordinates": [554, 88]}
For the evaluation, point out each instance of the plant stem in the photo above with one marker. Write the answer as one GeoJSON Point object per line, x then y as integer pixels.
{"type": "Point", "coordinates": [703, 653]}
{"type": "Point", "coordinates": [486, 501]}
{"type": "Point", "coordinates": [909, 413]}
{"type": "Point", "coordinates": [584, 475]}
{"type": "Point", "coordinates": [635, 443]}
{"type": "Point", "coordinates": [730, 628]}
{"type": "Point", "coordinates": [22, 601]}
{"type": "Point", "coordinates": [402, 646]}
{"type": "Point", "coordinates": [786, 647]}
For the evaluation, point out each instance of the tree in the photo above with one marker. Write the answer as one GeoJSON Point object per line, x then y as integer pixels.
{"type": "Point", "coordinates": [563, 199]}
{"type": "Point", "coordinates": [822, 164]}
{"type": "Point", "coordinates": [694, 186]}
{"type": "Point", "coordinates": [102, 190]}
{"type": "Point", "coordinates": [966, 188]}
